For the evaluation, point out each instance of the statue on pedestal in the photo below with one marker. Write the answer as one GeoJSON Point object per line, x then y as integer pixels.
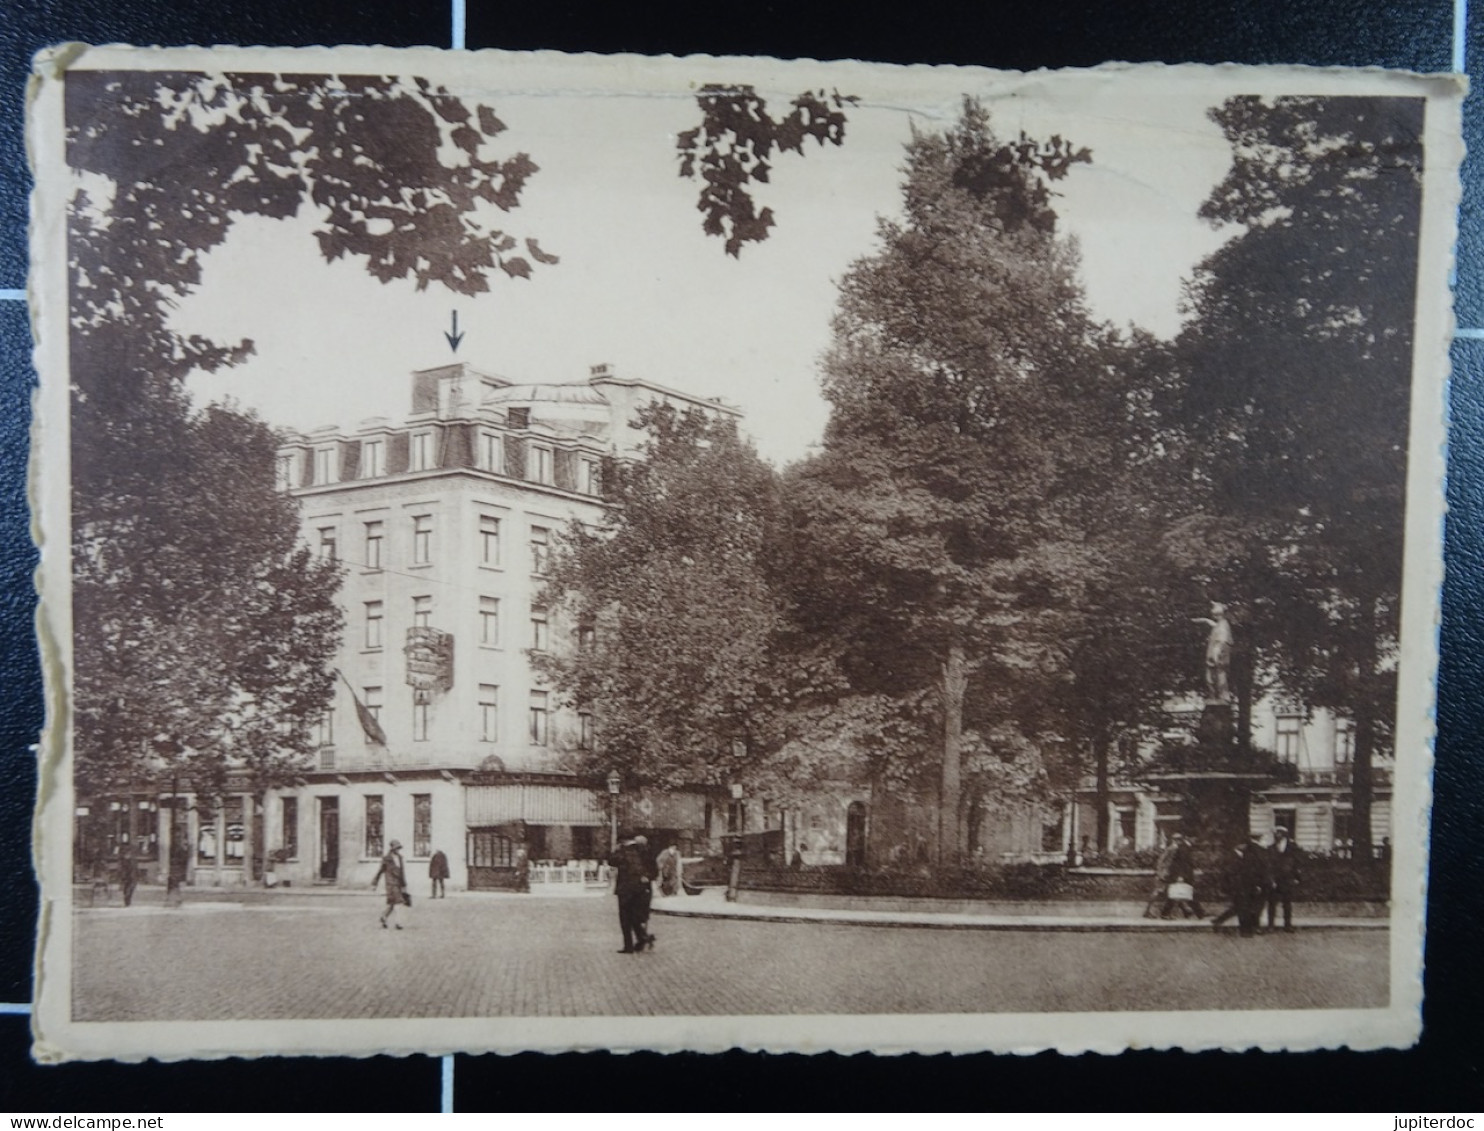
{"type": "Point", "coordinates": [1218, 655]}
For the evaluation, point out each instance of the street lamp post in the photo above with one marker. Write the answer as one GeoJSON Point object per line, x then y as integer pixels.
{"type": "Point", "coordinates": [734, 844]}
{"type": "Point", "coordinates": [614, 783]}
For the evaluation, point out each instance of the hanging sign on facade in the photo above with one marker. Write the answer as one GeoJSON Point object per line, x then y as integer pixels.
{"type": "Point", "coordinates": [429, 653]}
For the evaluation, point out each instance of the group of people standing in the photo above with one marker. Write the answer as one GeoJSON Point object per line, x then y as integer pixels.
{"type": "Point", "coordinates": [1258, 876]}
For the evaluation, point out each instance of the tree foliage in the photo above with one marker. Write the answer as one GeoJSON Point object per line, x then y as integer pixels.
{"type": "Point", "coordinates": [201, 633]}
{"type": "Point", "coordinates": [932, 521]}
{"type": "Point", "coordinates": [676, 586]}
{"type": "Point", "coordinates": [199, 644]}
{"type": "Point", "coordinates": [734, 146]}
{"type": "Point", "coordinates": [1297, 404]}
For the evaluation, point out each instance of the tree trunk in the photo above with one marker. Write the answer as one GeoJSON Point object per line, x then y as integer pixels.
{"type": "Point", "coordinates": [1101, 794]}
{"type": "Point", "coordinates": [1362, 786]}
{"type": "Point", "coordinates": [955, 681]}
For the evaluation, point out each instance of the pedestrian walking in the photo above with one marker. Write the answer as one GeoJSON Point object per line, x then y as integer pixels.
{"type": "Point", "coordinates": [633, 874]}
{"type": "Point", "coordinates": [1159, 898]}
{"type": "Point", "coordinates": [438, 875]}
{"type": "Point", "coordinates": [669, 866]}
{"type": "Point", "coordinates": [1180, 887]}
{"type": "Point", "coordinates": [397, 894]}
{"type": "Point", "coordinates": [1248, 885]}
{"type": "Point", "coordinates": [128, 876]}
{"type": "Point", "coordinates": [1284, 860]}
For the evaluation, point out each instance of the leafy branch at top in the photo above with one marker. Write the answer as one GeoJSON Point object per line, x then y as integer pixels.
{"type": "Point", "coordinates": [733, 146]}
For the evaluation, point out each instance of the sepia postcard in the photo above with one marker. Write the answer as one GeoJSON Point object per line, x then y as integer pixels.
{"type": "Point", "coordinates": [550, 552]}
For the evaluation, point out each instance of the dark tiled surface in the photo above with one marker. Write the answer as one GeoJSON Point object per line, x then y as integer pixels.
{"type": "Point", "coordinates": [20, 707]}
{"type": "Point", "coordinates": [1469, 293]}
{"type": "Point", "coordinates": [1444, 1071]}
{"type": "Point", "coordinates": [1022, 35]}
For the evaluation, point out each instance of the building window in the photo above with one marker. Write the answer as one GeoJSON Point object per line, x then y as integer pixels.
{"type": "Point", "coordinates": [538, 718]}
{"type": "Point", "coordinates": [585, 730]}
{"type": "Point", "coordinates": [489, 621]}
{"type": "Point", "coordinates": [540, 630]}
{"type": "Point", "coordinates": [540, 464]}
{"type": "Point", "coordinates": [324, 465]}
{"type": "Point", "coordinates": [1287, 820]}
{"type": "Point", "coordinates": [373, 458]}
{"type": "Point", "coordinates": [589, 476]}
{"type": "Point", "coordinates": [489, 540]}
{"type": "Point", "coordinates": [422, 824]}
{"type": "Point", "coordinates": [375, 624]}
{"type": "Point", "coordinates": [419, 716]}
{"type": "Point", "coordinates": [371, 700]}
{"type": "Point", "coordinates": [283, 472]}
{"type": "Point", "coordinates": [489, 713]}
{"type": "Point", "coordinates": [422, 539]}
{"type": "Point", "coordinates": [540, 549]}
{"type": "Point", "coordinates": [491, 452]}
{"type": "Point", "coordinates": [324, 729]}
{"type": "Point", "coordinates": [327, 757]}
{"type": "Point", "coordinates": [422, 612]}
{"type": "Point", "coordinates": [1289, 733]}
{"type": "Point", "coordinates": [420, 451]}
{"type": "Point", "coordinates": [518, 417]}
{"type": "Point", "coordinates": [288, 839]}
{"type": "Point", "coordinates": [1344, 742]}
{"type": "Point", "coordinates": [236, 832]}
{"type": "Point", "coordinates": [375, 814]}
{"type": "Point", "coordinates": [375, 539]}
{"type": "Point", "coordinates": [587, 636]}
{"type": "Point", "coordinates": [329, 545]}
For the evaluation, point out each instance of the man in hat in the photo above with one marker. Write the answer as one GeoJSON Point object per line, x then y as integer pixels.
{"type": "Point", "coordinates": [396, 883]}
{"type": "Point", "coordinates": [633, 874]}
{"type": "Point", "coordinates": [1248, 880]}
{"type": "Point", "coordinates": [1283, 864]}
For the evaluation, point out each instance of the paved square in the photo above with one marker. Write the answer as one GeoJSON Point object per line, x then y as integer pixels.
{"type": "Point", "coordinates": [291, 956]}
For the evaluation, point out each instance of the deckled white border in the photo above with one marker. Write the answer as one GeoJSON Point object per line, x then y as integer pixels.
{"type": "Point", "coordinates": [491, 74]}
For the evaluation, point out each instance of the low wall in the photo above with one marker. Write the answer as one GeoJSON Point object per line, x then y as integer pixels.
{"type": "Point", "coordinates": [1337, 909]}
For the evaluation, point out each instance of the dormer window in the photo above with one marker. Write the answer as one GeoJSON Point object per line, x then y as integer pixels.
{"type": "Point", "coordinates": [373, 458]}
{"type": "Point", "coordinates": [518, 417]}
{"type": "Point", "coordinates": [540, 465]}
{"type": "Point", "coordinates": [324, 464]}
{"type": "Point", "coordinates": [589, 476]}
{"type": "Point", "coordinates": [491, 452]}
{"type": "Point", "coordinates": [283, 472]}
{"type": "Point", "coordinates": [420, 451]}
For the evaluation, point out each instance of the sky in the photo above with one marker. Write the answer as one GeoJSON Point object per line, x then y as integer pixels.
{"type": "Point", "coordinates": [640, 287]}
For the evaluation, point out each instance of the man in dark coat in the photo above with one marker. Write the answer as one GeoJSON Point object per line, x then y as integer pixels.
{"type": "Point", "coordinates": [633, 874]}
{"type": "Point", "coordinates": [438, 875]}
{"type": "Point", "coordinates": [1284, 859]}
{"type": "Point", "coordinates": [1248, 881]}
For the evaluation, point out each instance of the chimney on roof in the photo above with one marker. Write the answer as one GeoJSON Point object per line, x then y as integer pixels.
{"type": "Point", "coordinates": [602, 369]}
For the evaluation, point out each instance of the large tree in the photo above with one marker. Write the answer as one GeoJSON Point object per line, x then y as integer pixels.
{"type": "Point", "coordinates": [672, 601]}
{"type": "Point", "coordinates": [932, 516]}
{"type": "Point", "coordinates": [1299, 360]}
{"type": "Point", "coordinates": [201, 633]}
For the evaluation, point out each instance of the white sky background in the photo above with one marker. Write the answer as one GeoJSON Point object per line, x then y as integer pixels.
{"type": "Point", "coordinates": [641, 287]}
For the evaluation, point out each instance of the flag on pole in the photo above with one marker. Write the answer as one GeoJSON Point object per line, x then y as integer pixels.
{"type": "Point", "coordinates": [374, 733]}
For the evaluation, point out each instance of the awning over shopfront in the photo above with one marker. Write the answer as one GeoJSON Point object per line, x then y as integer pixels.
{"type": "Point", "coordinates": [535, 804]}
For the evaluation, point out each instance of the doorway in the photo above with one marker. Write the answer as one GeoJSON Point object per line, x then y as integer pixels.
{"type": "Point", "coordinates": [329, 839]}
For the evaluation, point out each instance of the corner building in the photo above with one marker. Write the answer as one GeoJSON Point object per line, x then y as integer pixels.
{"type": "Point", "coordinates": [444, 524]}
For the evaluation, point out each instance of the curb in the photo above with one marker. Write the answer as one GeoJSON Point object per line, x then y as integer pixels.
{"type": "Point", "coordinates": [1042, 924]}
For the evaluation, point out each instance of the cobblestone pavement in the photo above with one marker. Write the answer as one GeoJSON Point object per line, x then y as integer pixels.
{"type": "Point", "coordinates": [494, 955]}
